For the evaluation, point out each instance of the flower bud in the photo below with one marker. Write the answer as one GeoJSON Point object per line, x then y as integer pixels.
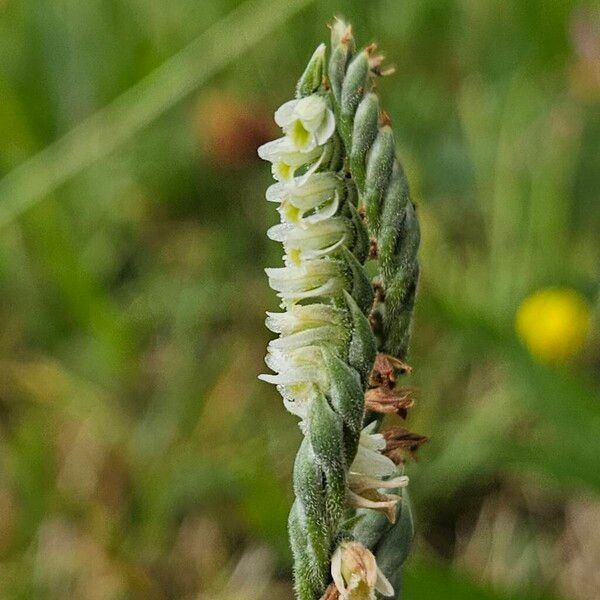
{"type": "Point", "coordinates": [312, 78]}
{"type": "Point", "coordinates": [356, 574]}
{"type": "Point", "coordinates": [313, 241]}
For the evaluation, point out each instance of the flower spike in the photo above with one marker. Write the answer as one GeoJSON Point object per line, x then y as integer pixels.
{"type": "Point", "coordinates": [342, 198]}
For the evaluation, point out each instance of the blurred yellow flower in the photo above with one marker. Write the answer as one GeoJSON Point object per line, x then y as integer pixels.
{"type": "Point", "coordinates": [553, 323]}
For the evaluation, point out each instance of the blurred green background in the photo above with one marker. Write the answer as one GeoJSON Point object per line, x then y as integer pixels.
{"type": "Point", "coordinates": [140, 457]}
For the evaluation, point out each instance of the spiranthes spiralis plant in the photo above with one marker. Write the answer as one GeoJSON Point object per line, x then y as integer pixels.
{"type": "Point", "coordinates": [343, 200]}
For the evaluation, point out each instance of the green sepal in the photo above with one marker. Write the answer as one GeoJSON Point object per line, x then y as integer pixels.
{"type": "Point", "coordinates": [360, 249]}
{"type": "Point", "coordinates": [326, 433]}
{"type": "Point", "coordinates": [362, 348]}
{"type": "Point", "coordinates": [312, 512]}
{"type": "Point", "coordinates": [379, 170]}
{"type": "Point", "coordinates": [303, 562]}
{"type": "Point", "coordinates": [325, 430]}
{"type": "Point", "coordinates": [355, 83]}
{"type": "Point", "coordinates": [353, 90]}
{"type": "Point", "coordinates": [337, 154]}
{"type": "Point", "coordinates": [346, 393]}
{"type": "Point", "coordinates": [351, 192]}
{"type": "Point", "coordinates": [394, 546]}
{"type": "Point", "coordinates": [371, 527]}
{"type": "Point", "coordinates": [361, 289]}
{"type": "Point", "coordinates": [392, 222]}
{"type": "Point", "coordinates": [337, 68]}
{"type": "Point", "coordinates": [350, 524]}
{"type": "Point", "coordinates": [341, 52]}
{"type": "Point", "coordinates": [398, 307]}
{"type": "Point", "coordinates": [400, 290]}
{"type": "Point", "coordinates": [363, 135]}
{"type": "Point", "coordinates": [313, 75]}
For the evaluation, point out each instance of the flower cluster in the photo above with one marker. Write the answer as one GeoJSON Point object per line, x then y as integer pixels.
{"type": "Point", "coordinates": [313, 230]}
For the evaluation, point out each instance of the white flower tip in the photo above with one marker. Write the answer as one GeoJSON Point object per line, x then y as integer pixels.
{"type": "Point", "coordinates": [383, 586]}
{"type": "Point", "coordinates": [320, 50]}
{"type": "Point", "coordinates": [263, 151]}
{"type": "Point", "coordinates": [266, 378]}
{"type": "Point", "coordinates": [398, 482]}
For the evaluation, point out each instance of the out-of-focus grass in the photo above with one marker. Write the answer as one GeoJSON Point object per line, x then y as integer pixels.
{"type": "Point", "coordinates": [140, 455]}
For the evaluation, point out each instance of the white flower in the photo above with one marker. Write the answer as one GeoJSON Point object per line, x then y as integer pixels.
{"type": "Point", "coordinates": [311, 279]}
{"type": "Point", "coordinates": [297, 366]}
{"type": "Point", "coordinates": [315, 336]}
{"type": "Point", "coordinates": [307, 122]}
{"type": "Point", "coordinates": [299, 317]}
{"type": "Point", "coordinates": [366, 483]}
{"type": "Point", "coordinates": [312, 200]}
{"type": "Point", "coordinates": [287, 160]}
{"type": "Point", "coordinates": [311, 241]}
{"type": "Point", "coordinates": [356, 574]}
{"type": "Point", "coordinates": [299, 376]}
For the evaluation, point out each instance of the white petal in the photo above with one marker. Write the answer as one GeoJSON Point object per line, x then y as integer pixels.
{"type": "Point", "coordinates": [309, 337]}
{"type": "Point", "coordinates": [385, 506]}
{"type": "Point", "coordinates": [382, 585]}
{"type": "Point", "coordinates": [326, 128]}
{"type": "Point", "coordinates": [300, 138]}
{"type": "Point", "coordinates": [336, 571]}
{"type": "Point", "coordinates": [307, 240]}
{"type": "Point", "coordinates": [360, 483]}
{"type": "Point", "coordinates": [325, 212]}
{"type": "Point", "coordinates": [318, 183]}
{"type": "Point", "coordinates": [310, 111]}
{"type": "Point", "coordinates": [275, 148]}
{"type": "Point", "coordinates": [304, 178]}
{"type": "Point", "coordinates": [372, 464]}
{"type": "Point", "coordinates": [282, 171]}
{"type": "Point", "coordinates": [372, 441]}
{"type": "Point", "coordinates": [276, 192]}
{"type": "Point", "coordinates": [312, 254]}
{"type": "Point", "coordinates": [296, 407]}
{"type": "Point", "coordinates": [291, 377]}
{"type": "Point", "coordinates": [313, 192]}
{"type": "Point", "coordinates": [299, 318]}
{"type": "Point", "coordinates": [278, 233]}
{"type": "Point", "coordinates": [370, 428]}
{"type": "Point", "coordinates": [331, 287]}
{"type": "Point", "coordinates": [284, 115]}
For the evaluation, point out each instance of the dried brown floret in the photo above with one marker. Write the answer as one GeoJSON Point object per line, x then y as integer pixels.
{"type": "Point", "coordinates": [387, 401]}
{"type": "Point", "coordinates": [402, 444]}
{"type": "Point", "coordinates": [331, 593]}
{"type": "Point", "coordinates": [385, 369]}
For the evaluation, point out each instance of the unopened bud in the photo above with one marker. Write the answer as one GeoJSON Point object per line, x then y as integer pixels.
{"type": "Point", "coordinates": [356, 575]}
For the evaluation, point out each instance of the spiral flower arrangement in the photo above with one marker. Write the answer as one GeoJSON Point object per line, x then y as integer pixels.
{"type": "Point", "coordinates": [343, 199]}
